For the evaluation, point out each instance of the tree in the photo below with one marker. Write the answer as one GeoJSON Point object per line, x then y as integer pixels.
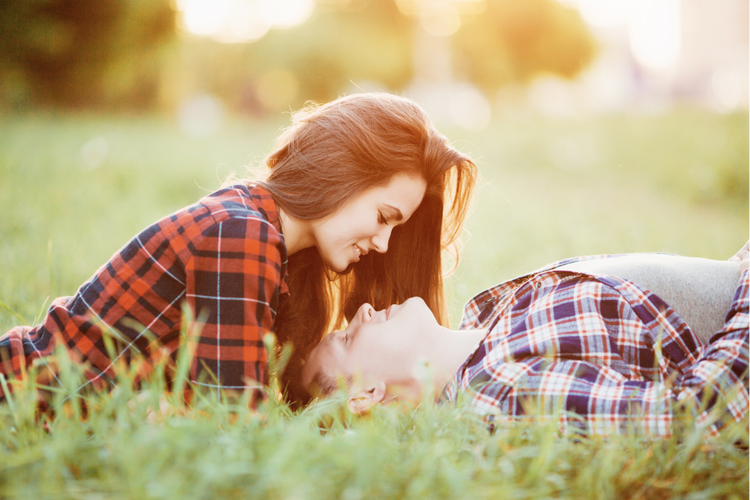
{"type": "Point", "coordinates": [82, 52]}
{"type": "Point", "coordinates": [513, 41]}
{"type": "Point", "coordinates": [337, 47]}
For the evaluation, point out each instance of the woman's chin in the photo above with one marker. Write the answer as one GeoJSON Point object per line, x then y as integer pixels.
{"type": "Point", "coordinates": [338, 267]}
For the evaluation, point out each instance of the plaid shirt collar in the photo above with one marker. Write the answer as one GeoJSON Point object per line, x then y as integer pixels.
{"type": "Point", "coordinates": [267, 207]}
{"type": "Point", "coordinates": [478, 311]}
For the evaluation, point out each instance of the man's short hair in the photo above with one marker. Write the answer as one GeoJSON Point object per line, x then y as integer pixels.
{"type": "Point", "coordinates": [295, 393]}
{"type": "Point", "coordinates": [323, 384]}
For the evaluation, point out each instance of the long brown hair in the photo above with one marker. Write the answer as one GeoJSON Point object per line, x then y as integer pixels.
{"type": "Point", "coordinates": [330, 154]}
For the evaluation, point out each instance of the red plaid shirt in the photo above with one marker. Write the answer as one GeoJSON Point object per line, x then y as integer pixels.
{"type": "Point", "coordinates": [224, 257]}
{"type": "Point", "coordinates": [600, 353]}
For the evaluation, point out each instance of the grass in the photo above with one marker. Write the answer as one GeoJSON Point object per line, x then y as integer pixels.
{"type": "Point", "coordinates": [124, 447]}
{"type": "Point", "coordinates": [549, 189]}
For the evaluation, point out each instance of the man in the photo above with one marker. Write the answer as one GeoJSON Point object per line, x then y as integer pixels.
{"type": "Point", "coordinates": [608, 343]}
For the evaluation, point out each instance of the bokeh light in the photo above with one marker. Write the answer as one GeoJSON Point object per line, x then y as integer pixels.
{"type": "Point", "coordinates": [469, 108]}
{"type": "Point", "coordinates": [237, 21]}
{"type": "Point", "coordinates": [285, 13]}
{"type": "Point", "coordinates": [653, 26]}
{"type": "Point", "coordinates": [726, 90]}
{"type": "Point", "coordinates": [94, 152]}
{"type": "Point", "coordinates": [655, 32]}
{"type": "Point", "coordinates": [205, 18]}
{"type": "Point", "coordinates": [443, 20]}
{"type": "Point", "coordinates": [200, 115]}
{"type": "Point", "coordinates": [604, 13]}
{"type": "Point", "coordinates": [440, 17]}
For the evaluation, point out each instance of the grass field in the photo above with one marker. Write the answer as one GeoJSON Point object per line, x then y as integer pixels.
{"type": "Point", "coordinates": [73, 189]}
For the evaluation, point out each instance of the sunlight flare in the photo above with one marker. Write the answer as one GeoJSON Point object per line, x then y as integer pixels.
{"type": "Point", "coordinates": [238, 21]}
{"type": "Point", "coordinates": [655, 36]}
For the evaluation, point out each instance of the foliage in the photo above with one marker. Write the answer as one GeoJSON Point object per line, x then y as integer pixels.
{"type": "Point", "coordinates": [369, 42]}
{"type": "Point", "coordinates": [514, 41]}
{"type": "Point", "coordinates": [114, 53]}
{"type": "Point", "coordinates": [81, 53]}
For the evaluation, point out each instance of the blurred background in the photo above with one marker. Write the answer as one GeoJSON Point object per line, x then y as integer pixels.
{"type": "Point", "coordinates": [599, 126]}
{"type": "Point", "coordinates": [466, 60]}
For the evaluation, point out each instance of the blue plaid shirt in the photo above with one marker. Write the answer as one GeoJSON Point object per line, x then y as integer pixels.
{"type": "Point", "coordinates": [600, 354]}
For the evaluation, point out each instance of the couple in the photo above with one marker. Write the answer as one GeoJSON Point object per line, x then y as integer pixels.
{"type": "Point", "coordinates": [360, 198]}
{"type": "Point", "coordinates": [608, 343]}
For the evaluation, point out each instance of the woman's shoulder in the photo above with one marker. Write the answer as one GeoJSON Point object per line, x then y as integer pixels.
{"type": "Point", "coordinates": [240, 201]}
{"type": "Point", "coordinates": [241, 197]}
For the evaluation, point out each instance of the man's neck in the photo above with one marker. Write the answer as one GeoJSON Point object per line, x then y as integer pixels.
{"type": "Point", "coordinates": [448, 352]}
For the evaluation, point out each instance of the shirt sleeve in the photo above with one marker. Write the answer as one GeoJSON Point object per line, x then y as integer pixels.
{"type": "Point", "coordinates": [233, 284]}
{"type": "Point", "coordinates": [595, 398]}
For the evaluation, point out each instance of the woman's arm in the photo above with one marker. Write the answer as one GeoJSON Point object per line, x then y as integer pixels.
{"type": "Point", "coordinates": [234, 277]}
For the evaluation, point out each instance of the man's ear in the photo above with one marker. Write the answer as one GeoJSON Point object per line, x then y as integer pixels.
{"type": "Point", "coordinates": [362, 401]}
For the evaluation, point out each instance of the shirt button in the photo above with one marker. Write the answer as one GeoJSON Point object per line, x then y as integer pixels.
{"type": "Point", "coordinates": [538, 285]}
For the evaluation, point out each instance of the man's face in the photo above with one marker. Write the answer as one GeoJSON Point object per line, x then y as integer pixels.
{"type": "Point", "coordinates": [376, 346]}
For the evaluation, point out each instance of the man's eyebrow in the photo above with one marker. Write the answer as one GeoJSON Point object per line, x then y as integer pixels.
{"type": "Point", "coordinates": [397, 215]}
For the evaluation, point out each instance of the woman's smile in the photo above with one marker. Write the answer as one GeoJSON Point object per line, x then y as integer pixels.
{"type": "Point", "coordinates": [358, 252]}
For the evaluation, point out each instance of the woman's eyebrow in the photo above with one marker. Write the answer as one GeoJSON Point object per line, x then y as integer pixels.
{"type": "Point", "coordinates": [396, 215]}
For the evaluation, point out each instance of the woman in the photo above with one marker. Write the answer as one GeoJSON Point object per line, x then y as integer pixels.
{"type": "Point", "coordinates": [293, 253]}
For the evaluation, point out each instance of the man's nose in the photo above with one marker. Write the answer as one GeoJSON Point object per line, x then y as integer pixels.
{"type": "Point", "coordinates": [364, 314]}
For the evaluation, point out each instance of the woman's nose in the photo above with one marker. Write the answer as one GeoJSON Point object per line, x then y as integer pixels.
{"type": "Point", "coordinates": [380, 239]}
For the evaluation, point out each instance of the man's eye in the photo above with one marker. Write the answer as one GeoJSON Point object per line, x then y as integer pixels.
{"type": "Point", "coordinates": [381, 218]}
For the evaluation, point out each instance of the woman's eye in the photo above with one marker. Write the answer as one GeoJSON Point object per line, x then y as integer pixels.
{"type": "Point", "coordinates": [381, 218]}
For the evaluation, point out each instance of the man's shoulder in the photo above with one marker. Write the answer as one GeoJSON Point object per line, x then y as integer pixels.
{"type": "Point", "coordinates": [478, 312]}
{"type": "Point", "coordinates": [573, 260]}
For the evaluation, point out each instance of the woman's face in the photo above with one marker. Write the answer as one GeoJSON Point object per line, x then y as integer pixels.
{"type": "Point", "coordinates": [365, 222]}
